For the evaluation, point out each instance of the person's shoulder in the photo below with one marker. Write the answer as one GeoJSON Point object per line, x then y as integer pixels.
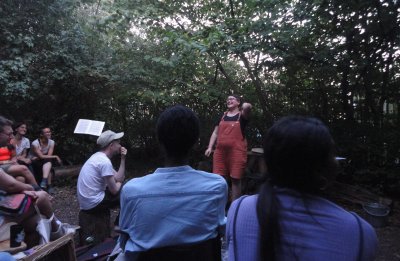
{"type": "Point", "coordinates": [210, 176]}
{"type": "Point", "coordinates": [35, 143]}
{"type": "Point", "coordinates": [245, 202]}
{"type": "Point", "coordinates": [347, 219]}
{"type": "Point", "coordinates": [139, 185]}
{"type": "Point", "coordinates": [100, 156]}
{"type": "Point", "coordinates": [245, 199]}
{"type": "Point", "coordinates": [51, 142]}
{"type": "Point", "coordinates": [210, 180]}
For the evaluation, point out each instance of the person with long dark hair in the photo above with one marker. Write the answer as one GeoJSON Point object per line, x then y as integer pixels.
{"type": "Point", "coordinates": [21, 143]}
{"type": "Point", "coordinates": [289, 219]}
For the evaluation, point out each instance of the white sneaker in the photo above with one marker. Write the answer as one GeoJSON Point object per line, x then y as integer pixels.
{"type": "Point", "coordinates": [63, 229]}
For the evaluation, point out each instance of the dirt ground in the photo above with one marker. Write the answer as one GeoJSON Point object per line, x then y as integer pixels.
{"type": "Point", "coordinates": [66, 209]}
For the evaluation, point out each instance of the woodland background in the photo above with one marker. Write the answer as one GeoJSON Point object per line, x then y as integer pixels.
{"type": "Point", "coordinates": [125, 61]}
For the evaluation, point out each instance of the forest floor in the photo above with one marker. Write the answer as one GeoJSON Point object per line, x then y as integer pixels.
{"type": "Point", "coordinates": [66, 209]}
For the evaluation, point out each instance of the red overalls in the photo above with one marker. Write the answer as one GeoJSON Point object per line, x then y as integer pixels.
{"type": "Point", "coordinates": [230, 155]}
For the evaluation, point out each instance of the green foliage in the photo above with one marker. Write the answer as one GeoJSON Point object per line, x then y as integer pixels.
{"type": "Point", "coordinates": [125, 61]}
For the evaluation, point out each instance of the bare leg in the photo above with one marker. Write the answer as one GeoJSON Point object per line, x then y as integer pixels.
{"type": "Point", "coordinates": [45, 208]}
{"type": "Point", "coordinates": [31, 219]}
{"type": "Point", "coordinates": [46, 172]}
{"type": "Point", "coordinates": [23, 171]}
{"type": "Point", "coordinates": [236, 189]}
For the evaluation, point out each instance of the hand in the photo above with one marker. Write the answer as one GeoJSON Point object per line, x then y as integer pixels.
{"type": "Point", "coordinates": [26, 160]}
{"type": "Point", "coordinates": [32, 194]}
{"type": "Point", "coordinates": [246, 106]}
{"type": "Point", "coordinates": [59, 160]}
{"type": "Point", "coordinates": [208, 152]}
{"type": "Point", "coordinates": [123, 152]}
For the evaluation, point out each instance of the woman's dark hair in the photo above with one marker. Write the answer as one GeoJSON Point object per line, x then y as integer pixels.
{"type": "Point", "coordinates": [299, 154]}
{"type": "Point", "coordinates": [17, 125]}
{"type": "Point", "coordinates": [178, 130]}
{"type": "Point", "coordinates": [238, 98]}
{"type": "Point", "coordinates": [41, 130]}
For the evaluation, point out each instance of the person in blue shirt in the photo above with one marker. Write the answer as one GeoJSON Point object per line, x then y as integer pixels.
{"type": "Point", "coordinates": [290, 219]}
{"type": "Point", "coordinates": [175, 205]}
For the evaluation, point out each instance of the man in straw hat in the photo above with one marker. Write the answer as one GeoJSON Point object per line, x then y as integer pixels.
{"type": "Point", "coordinates": [98, 183]}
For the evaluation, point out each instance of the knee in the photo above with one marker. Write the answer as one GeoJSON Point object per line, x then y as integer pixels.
{"type": "Point", "coordinates": [20, 179]}
{"type": "Point", "coordinates": [23, 169]}
{"type": "Point", "coordinates": [43, 195]}
{"type": "Point", "coordinates": [43, 198]}
{"type": "Point", "coordinates": [47, 165]}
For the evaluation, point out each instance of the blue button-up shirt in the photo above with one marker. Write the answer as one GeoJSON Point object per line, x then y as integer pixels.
{"type": "Point", "coordinates": [172, 206]}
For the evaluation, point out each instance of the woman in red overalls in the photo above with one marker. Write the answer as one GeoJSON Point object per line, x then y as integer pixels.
{"type": "Point", "coordinates": [230, 155]}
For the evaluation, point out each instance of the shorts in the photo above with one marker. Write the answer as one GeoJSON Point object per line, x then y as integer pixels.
{"type": "Point", "coordinates": [5, 167]}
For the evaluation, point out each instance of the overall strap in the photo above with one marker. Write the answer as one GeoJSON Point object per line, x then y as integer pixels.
{"type": "Point", "coordinates": [240, 114]}
{"type": "Point", "coordinates": [234, 226]}
{"type": "Point", "coordinates": [223, 115]}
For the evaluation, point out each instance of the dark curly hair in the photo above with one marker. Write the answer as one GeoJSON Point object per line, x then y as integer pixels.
{"type": "Point", "coordinates": [178, 130]}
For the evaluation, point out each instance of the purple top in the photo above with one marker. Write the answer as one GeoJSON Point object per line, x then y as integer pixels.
{"type": "Point", "coordinates": [317, 230]}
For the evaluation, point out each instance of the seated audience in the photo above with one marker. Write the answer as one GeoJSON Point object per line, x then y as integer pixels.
{"type": "Point", "coordinates": [42, 158]}
{"type": "Point", "coordinates": [176, 205]}
{"type": "Point", "coordinates": [21, 144]}
{"type": "Point", "coordinates": [29, 219]}
{"type": "Point", "coordinates": [99, 185]}
{"type": "Point", "coordinates": [8, 162]}
{"type": "Point", "coordinates": [289, 219]}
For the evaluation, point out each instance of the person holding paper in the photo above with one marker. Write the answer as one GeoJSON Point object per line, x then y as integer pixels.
{"type": "Point", "coordinates": [42, 158]}
{"type": "Point", "coordinates": [99, 184]}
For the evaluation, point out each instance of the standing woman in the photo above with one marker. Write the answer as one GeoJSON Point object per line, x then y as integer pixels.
{"type": "Point", "coordinates": [290, 219]}
{"type": "Point", "coordinates": [42, 152]}
{"type": "Point", "coordinates": [230, 155]}
{"type": "Point", "coordinates": [21, 143]}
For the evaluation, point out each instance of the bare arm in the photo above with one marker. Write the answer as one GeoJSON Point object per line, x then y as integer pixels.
{"type": "Point", "coordinates": [11, 185]}
{"type": "Point", "coordinates": [246, 110]}
{"type": "Point", "coordinates": [120, 175]}
{"type": "Point", "coordinates": [50, 155]}
{"type": "Point", "coordinates": [51, 150]}
{"type": "Point", "coordinates": [23, 157]}
{"type": "Point", "coordinates": [23, 154]}
{"type": "Point", "coordinates": [112, 185]}
{"type": "Point", "coordinates": [213, 139]}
